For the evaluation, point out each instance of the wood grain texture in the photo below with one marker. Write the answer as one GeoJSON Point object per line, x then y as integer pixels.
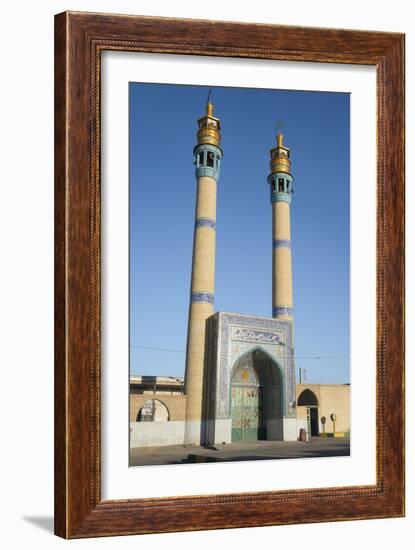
{"type": "Point", "coordinates": [79, 40]}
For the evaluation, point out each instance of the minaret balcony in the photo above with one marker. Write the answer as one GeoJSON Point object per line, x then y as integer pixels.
{"type": "Point", "coordinates": [207, 160]}
{"type": "Point", "coordinates": [281, 187]}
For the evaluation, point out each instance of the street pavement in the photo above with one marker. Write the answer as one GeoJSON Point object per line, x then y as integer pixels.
{"type": "Point", "coordinates": [241, 450]}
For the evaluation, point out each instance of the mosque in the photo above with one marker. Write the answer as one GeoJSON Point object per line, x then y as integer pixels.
{"type": "Point", "coordinates": [239, 381]}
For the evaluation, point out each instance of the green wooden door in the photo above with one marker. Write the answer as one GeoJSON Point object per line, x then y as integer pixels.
{"type": "Point", "coordinates": [246, 413]}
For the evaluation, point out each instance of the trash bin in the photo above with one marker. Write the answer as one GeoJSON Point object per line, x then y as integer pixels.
{"type": "Point", "coordinates": [304, 436]}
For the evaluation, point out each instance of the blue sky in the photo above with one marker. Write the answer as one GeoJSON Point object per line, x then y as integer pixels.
{"type": "Point", "coordinates": [163, 125]}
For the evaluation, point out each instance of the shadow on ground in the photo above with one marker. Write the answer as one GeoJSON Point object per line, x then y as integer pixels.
{"type": "Point", "coordinates": [343, 450]}
{"type": "Point", "coordinates": [43, 522]}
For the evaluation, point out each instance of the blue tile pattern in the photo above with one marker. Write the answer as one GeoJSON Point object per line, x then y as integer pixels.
{"type": "Point", "coordinates": [280, 197]}
{"type": "Point", "coordinates": [207, 171]}
{"type": "Point", "coordinates": [282, 310]}
{"type": "Point", "coordinates": [205, 222]}
{"type": "Point", "coordinates": [201, 297]}
{"type": "Point", "coordinates": [278, 243]}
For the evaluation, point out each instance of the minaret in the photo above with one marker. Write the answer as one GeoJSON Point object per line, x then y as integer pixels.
{"type": "Point", "coordinates": [280, 182]}
{"type": "Point", "coordinates": [208, 155]}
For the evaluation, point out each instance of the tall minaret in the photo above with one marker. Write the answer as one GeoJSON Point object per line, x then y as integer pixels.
{"type": "Point", "coordinates": [208, 155]}
{"type": "Point", "coordinates": [280, 182]}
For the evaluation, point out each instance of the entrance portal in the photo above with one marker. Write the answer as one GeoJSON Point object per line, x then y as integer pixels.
{"type": "Point", "coordinates": [312, 421]}
{"type": "Point", "coordinates": [308, 399]}
{"type": "Point", "coordinates": [247, 413]}
{"type": "Point", "coordinates": [256, 398]}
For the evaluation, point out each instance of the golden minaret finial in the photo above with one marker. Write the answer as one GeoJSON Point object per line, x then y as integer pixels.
{"type": "Point", "coordinates": [280, 155]}
{"type": "Point", "coordinates": [209, 126]}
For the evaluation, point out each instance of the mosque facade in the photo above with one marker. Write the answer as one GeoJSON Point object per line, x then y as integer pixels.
{"type": "Point", "coordinates": [239, 379]}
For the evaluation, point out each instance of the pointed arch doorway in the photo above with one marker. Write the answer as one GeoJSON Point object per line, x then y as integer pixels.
{"type": "Point", "coordinates": [256, 397]}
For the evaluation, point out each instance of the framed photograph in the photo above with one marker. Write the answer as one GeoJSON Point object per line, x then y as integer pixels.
{"type": "Point", "coordinates": [229, 275]}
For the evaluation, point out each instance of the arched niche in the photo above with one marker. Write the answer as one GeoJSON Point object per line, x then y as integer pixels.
{"type": "Point", "coordinates": [153, 410]}
{"type": "Point", "coordinates": [307, 398]}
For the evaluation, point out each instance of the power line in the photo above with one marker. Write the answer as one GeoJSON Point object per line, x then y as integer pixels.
{"type": "Point", "coordinates": [296, 356]}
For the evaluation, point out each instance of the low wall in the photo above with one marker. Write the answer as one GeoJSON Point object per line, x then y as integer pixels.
{"type": "Point", "coordinates": [156, 434]}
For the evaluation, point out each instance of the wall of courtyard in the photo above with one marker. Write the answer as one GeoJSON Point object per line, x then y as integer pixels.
{"type": "Point", "coordinates": [176, 404]}
{"type": "Point", "coordinates": [332, 398]}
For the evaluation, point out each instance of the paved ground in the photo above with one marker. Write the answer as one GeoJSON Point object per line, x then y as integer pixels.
{"type": "Point", "coordinates": [254, 450]}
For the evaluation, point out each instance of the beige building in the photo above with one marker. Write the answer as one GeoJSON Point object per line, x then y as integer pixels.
{"type": "Point", "coordinates": [157, 411]}
{"type": "Point", "coordinates": [317, 403]}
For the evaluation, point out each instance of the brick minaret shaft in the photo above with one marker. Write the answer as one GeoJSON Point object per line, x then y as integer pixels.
{"type": "Point", "coordinates": [280, 182]}
{"type": "Point", "coordinates": [208, 155]}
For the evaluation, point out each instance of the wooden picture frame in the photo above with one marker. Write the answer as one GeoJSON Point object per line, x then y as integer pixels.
{"type": "Point", "coordinates": [79, 40]}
